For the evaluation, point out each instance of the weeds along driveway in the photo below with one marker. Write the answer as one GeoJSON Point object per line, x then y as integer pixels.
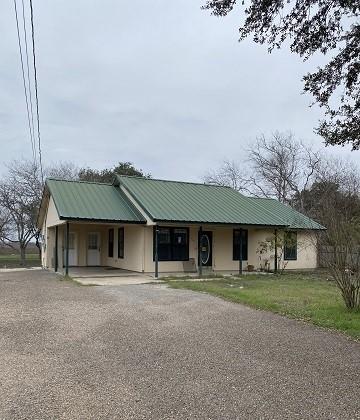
{"type": "Point", "coordinates": [149, 352]}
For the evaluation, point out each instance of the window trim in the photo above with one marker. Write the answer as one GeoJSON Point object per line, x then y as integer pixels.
{"type": "Point", "coordinates": [172, 229]}
{"type": "Point", "coordinates": [235, 257]}
{"type": "Point", "coordinates": [286, 258]}
{"type": "Point", "coordinates": [122, 248]}
{"type": "Point", "coordinates": [111, 243]}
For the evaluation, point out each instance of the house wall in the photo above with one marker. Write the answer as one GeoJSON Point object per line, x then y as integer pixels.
{"type": "Point", "coordinates": [52, 217]}
{"type": "Point", "coordinates": [223, 250]}
{"type": "Point", "coordinates": [48, 246]}
{"type": "Point", "coordinates": [133, 248]}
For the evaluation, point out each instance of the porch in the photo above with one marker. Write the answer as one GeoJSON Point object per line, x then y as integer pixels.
{"type": "Point", "coordinates": [85, 249]}
{"type": "Point", "coordinates": [104, 250]}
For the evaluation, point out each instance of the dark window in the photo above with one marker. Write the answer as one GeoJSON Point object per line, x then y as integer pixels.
{"type": "Point", "coordinates": [290, 246]}
{"type": "Point", "coordinates": [173, 244]}
{"type": "Point", "coordinates": [236, 244]}
{"type": "Point", "coordinates": [111, 243]}
{"type": "Point", "coordinates": [164, 244]}
{"type": "Point", "coordinates": [121, 242]}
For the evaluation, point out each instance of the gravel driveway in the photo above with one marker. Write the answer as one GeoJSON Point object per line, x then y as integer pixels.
{"type": "Point", "coordinates": [149, 352]}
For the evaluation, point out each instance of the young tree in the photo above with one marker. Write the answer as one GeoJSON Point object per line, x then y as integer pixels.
{"type": "Point", "coordinates": [329, 27]}
{"type": "Point", "coordinates": [273, 247]}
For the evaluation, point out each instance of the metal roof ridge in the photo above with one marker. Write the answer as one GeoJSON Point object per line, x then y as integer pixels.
{"type": "Point", "coordinates": [173, 181]}
{"type": "Point", "coordinates": [78, 181]}
{"type": "Point", "coordinates": [262, 198]}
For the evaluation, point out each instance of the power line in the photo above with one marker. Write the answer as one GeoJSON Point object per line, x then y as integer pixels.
{"type": "Point", "coordinates": [28, 73]}
{"type": "Point", "coordinates": [32, 139]}
{"type": "Point", "coordinates": [36, 90]}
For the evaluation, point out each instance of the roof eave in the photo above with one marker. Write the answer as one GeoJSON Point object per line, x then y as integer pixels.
{"type": "Point", "coordinates": [199, 222]}
{"type": "Point", "coordinates": [89, 219]}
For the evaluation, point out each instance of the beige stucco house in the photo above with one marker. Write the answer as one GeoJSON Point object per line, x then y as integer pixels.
{"type": "Point", "coordinates": [156, 226]}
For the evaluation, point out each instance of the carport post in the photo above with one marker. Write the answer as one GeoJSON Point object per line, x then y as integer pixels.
{"type": "Point", "coordinates": [67, 250]}
{"type": "Point", "coordinates": [276, 251]}
{"type": "Point", "coordinates": [56, 262]}
{"type": "Point", "coordinates": [199, 252]}
{"type": "Point", "coordinates": [156, 251]}
{"type": "Point", "coordinates": [240, 251]}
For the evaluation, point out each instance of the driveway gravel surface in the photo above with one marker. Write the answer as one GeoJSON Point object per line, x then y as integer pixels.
{"type": "Point", "coordinates": [150, 352]}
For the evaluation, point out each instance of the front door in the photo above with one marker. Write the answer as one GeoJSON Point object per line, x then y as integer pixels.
{"type": "Point", "coordinates": [72, 249]}
{"type": "Point", "coordinates": [93, 248]}
{"type": "Point", "coordinates": [205, 244]}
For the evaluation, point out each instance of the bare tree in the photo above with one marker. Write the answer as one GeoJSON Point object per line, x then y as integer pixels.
{"type": "Point", "coordinates": [230, 174]}
{"type": "Point", "coordinates": [19, 201]}
{"type": "Point", "coordinates": [63, 170]}
{"type": "Point", "coordinates": [20, 196]}
{"type": "Point", "coordinates": [334, 192]}
{"type": "Point", "coordinates": [281, 166]}
{"type": "Point", "coordinates": [4, 225]}
{"type": "Point", "coordinates": [342, 242]}
{"type": "Point", "coordinates": [278, 167]}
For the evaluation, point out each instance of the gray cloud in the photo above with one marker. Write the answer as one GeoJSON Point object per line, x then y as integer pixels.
{"type": "Point", "coordinates": [162, 84]}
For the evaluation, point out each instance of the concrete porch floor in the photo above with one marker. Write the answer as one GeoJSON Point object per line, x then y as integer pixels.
{"type": "Point", "coordinates": [109, 276]}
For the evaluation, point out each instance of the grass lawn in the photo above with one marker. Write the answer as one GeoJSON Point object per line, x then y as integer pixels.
{"type": "Point", "coordinates": [305, 296]}
{"type": "Point", "coordinates": [13, 260]}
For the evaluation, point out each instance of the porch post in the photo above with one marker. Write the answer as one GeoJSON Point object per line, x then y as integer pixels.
{"type": "Point", "coordinates": [276, 251]}
{"type": "Point", "coordinates": [199, 252]}
{"type": "Point", "coordinates": [240, 251]}
{"type": "Point", "coordinates": [67, 250]}
{"type": "Point", "coordinates": [56, 262]}
{"type": "Point", "coordinates": [156, 251]}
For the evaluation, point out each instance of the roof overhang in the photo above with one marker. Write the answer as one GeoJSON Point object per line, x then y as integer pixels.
{"type": "Point", "coordinates": [107, 221]}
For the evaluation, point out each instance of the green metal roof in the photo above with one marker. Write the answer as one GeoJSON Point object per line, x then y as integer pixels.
{"type": "Point", "coordinates": [92, 201]}
{"type": "Point", "coordinates": [291, 217]}
{"type": "Point", "coordinates": [173, 201]}
{"type": "Point", "coordinates": [169, 201]}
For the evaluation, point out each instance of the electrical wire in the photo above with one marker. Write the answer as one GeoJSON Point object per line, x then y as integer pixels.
{"type": "Point", "coordinates": [36, 91]}
{"type": "Point", "coordinates": [32, 138]}
{"type": "Point", "coordinates": [28, 74]}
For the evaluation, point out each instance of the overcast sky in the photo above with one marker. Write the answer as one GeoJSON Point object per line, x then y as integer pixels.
{"type": "Point", "coordinates": [162, 84]}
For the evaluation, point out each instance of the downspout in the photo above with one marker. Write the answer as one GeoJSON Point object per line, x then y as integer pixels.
{"type": "Point", "coordinates": [156, 252]}
{"type": "Point", "coordinates": [56, 265]}
{"type": "Point", "coordinates": [240, 252]}
{"type": "Point", "coordinates": [199, 252]}
{"type": "Point", "coordinates": [144, 249]}
{"type": "Point", "coordinates": [276, 252]}
{"type": "Point", "coordinates": [67, 249]}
